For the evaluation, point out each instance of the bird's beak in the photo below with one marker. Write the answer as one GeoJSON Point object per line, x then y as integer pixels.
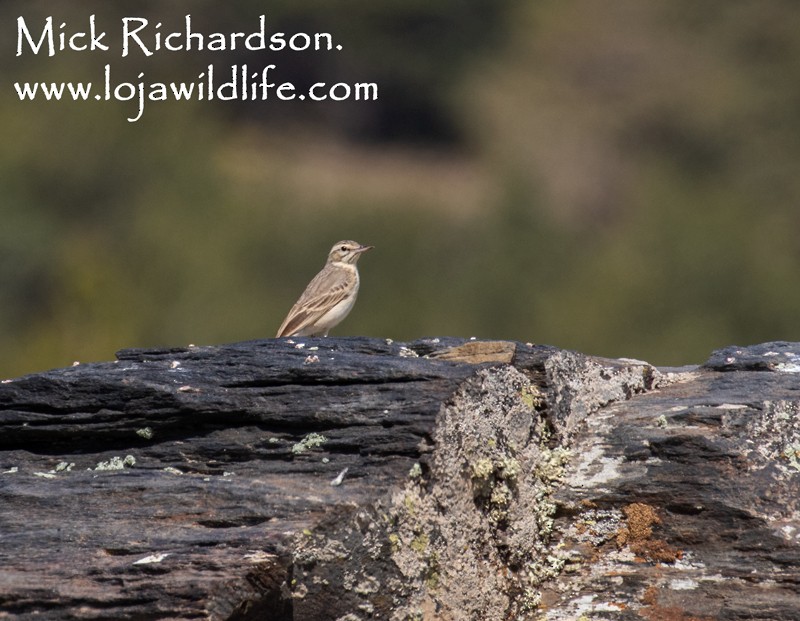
{"type": "Point", "coordinates": [361, 249]}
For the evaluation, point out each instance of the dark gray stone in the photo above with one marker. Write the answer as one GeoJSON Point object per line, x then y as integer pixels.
{"type": "Point", "coordinates": [363, 479]}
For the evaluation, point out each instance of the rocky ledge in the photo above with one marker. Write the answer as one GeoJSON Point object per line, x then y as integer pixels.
{"type": "Point", "coordinates": [349, 479]}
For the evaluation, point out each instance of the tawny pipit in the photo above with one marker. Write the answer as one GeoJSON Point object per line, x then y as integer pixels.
{"type": "Point", "coordinates": [329, 296]}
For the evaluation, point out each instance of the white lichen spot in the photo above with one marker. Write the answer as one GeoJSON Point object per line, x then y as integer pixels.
{"type": "Point", "coordinates": [225, 473]}
{"type": "Point", "coordinates": [415, 471]}
{"type": "Point", "coordinates": [683, 584]}
{"type": "Point", "coordinates": [171, 470]}
{"type": "Point", "coordinates": [339, 478]}
{"type": "Point", "coordinates": [367, 586]}
{"type": "Point", "coordinates": [175, 364]}
{"type": "Point", "coordinates": [731, 406]}
{"type": "Point", "coordinates": [688, 564]}
{"type": "Point", "coordinates": [63, 466]}
{"type": "Point", "coordinates": [367, 607]}
{"type": "Point", "coordinates": [300, 346]}
{"type": "Point", "coordinates": [152, 558]}
{"type": "Point", "coordinates": [405, 352]}
{"type": "Point", "coordinates": [311, 359]}
{"type": "Point", "coordinates": [661, 421]}
{"type": "Point", "coordinates": [7, 381]}
{"type": "Point", "coordinates": [258, 556]}
{"type": "Point", "coordinates": [312, 440]}
{"type": "Point", "coordinates": [75, 363]}
{"type": "Point", "coordinates": [45, 475]}
{"type": "Point", "coordinates": [594, 468]}
{"type": "Point", "coordinates": [12, 470]}
{"type": "Point", "coordinates": [389, 341]}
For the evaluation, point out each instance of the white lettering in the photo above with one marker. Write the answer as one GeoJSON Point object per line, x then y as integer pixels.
{"type": "Point", "coordinates": [259, 37]}
{"type": "Point", "coordinates": [47, 34]}
{"type": "Point", "coordinates": [128, 34]}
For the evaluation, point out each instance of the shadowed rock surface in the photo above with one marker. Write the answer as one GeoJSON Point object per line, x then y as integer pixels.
{"type": "Point", "coordinates": [364, 479]}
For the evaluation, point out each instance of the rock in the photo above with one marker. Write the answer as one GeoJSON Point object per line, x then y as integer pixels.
{"type": "Point", "coordinates": [360, 478]}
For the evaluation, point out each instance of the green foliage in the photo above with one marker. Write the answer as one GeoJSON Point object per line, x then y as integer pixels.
{"type": "Point", "coordinates": [622, 182]}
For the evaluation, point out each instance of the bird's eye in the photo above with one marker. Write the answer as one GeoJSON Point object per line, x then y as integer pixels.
{"type": "Point", "coordinates": [343, 248]}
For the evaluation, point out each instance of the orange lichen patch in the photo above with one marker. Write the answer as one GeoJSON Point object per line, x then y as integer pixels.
{"type": "Point", "coordinates": [640, 519]}
{"type": "Point", "coordinates": [656, 550]}
{"type": "Point", "coordinates": [650, 596]}
{"type": "Point", "coordinates": [637, 534]}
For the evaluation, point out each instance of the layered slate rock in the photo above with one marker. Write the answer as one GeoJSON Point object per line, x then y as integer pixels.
{"type": "Point", "coordinates": [366, 479]}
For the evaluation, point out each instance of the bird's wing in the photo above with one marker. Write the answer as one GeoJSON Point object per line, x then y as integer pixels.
{"type": "Point", "coordinates": [324, 292]}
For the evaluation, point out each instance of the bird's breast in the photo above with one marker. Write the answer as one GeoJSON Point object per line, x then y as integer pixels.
{"type": "Point", "coordinates": [338, 312]}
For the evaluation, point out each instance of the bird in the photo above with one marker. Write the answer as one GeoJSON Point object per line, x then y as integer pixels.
{"type": "Point", "coordinates": [330, 295]}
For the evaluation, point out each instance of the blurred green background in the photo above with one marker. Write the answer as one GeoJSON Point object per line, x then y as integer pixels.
{"type": "Point", "coordinates": [620, 178]}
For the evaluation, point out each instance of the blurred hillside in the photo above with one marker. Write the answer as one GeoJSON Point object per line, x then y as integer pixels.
{"type": "Point", "coordinates": [623, 182]}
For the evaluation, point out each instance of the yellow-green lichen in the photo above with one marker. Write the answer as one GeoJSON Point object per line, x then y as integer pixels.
{"type": "Point", "coordinates": [550, 467]}
{"type": "Point", "coordinates": [312, 440]}
{"type": "Point", "coordinates": [482, 469]}
{"type": "Point", "coordinates": [408, 503]}
{"type": "Point", "coordinates": [791, 452]}
{"type": "Point", "coordinates": [501, 496]}
{"type": "Point", "coordinates": [420, 543]}
{"type": "Point", "coordinates": [432, 581]}
{"type": "Point", "coordinates": [510, 469]}
{"type": "Point", "coordinates": [530, 397]}
{"type": "Point", "coordinates": [116, 463]}
{"type": "Point", "coordinates": [530, 600]}
{"type": "Point", "coordinates": [145, 432]}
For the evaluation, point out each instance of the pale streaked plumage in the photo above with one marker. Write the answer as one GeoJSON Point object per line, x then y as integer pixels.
{"type": "Point", "coordinates": [329, 297]}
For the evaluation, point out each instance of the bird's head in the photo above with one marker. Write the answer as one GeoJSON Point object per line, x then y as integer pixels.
{"type": "Point", "coordinates": [347, 251]}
